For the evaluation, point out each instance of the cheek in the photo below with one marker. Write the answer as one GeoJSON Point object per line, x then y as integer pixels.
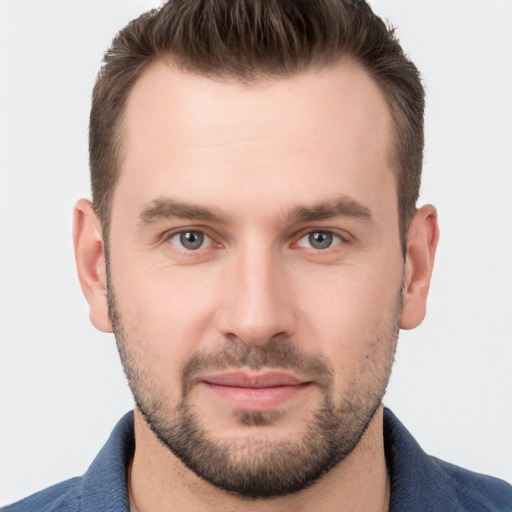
{"type": "Point", "coordinates": [354, 319]}
{"type": "Point", "coordinates": [165, 312]}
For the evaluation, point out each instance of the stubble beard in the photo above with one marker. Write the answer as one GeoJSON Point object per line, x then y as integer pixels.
{"type": "Point", "coordinates": [258, 465]}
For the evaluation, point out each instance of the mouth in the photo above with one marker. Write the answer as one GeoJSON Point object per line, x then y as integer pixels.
{"type": "Point", "coordinates": [255, 391]}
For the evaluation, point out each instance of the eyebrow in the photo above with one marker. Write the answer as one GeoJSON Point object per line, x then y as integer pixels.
{"type": "Point", "coordinates": [166, 208]}
{"type": "Point", "coordinates": [342, 207]}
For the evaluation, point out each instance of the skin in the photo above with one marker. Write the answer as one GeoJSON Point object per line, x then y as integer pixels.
{"type": "Point", "coordinates": [251, 155]}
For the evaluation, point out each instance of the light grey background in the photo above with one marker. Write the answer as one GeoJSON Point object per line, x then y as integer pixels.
{"type": "Point", "coordinates": [61, 385]}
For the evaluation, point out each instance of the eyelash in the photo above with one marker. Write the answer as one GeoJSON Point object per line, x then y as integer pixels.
{"type": "Point", "coordinates": [333, 234]}
{"type": "Point", "coordinates": [170, 236]}
{"type": "Point", "coordinates": [337, 239]}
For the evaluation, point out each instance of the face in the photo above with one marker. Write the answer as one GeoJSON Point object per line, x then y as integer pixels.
{"type": "Point", "coordinates": [255, 273]}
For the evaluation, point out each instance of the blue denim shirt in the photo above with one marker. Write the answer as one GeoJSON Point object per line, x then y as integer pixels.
{"type": "Point", "coordinates": [419, 483]}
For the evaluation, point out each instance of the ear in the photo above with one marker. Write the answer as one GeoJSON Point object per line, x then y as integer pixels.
{"type": "Point", "coordinates": [90, 262]}
{"type": "Point", "coordinates": [419, 261]}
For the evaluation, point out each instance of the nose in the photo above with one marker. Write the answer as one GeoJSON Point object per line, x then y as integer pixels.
{"type": "Point", "coordinates": [257, 299]}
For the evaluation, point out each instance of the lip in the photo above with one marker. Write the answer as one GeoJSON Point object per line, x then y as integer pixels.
{"type": "Point", "coordinates": [255, 392]}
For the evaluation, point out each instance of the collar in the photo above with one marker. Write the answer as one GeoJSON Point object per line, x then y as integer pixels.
{"type": "Point", "coordinates": [104, 483]}
{"type": "Point", "coordinates": [417, 480]}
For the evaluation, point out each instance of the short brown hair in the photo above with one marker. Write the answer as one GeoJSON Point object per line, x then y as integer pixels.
{"type": "Point", "coordinates": [247, 40]}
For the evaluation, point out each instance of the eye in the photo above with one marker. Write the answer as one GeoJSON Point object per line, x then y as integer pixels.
{"type": "Point", "coordinates": [190, 240]}
{"type": "Point", "coordinates": [320, 240]}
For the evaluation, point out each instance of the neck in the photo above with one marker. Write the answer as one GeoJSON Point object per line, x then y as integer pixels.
{"type": "Point", "coordinates": [159, 482]}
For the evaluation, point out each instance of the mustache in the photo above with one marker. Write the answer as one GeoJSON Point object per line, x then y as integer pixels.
{"type": "Point", "coordinates": [277, 352]}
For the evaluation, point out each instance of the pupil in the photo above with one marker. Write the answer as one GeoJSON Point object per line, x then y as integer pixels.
{"type": "Point", "coordinates": [192, 239]}
{"type": "Point", "coordinates": [320, 240]}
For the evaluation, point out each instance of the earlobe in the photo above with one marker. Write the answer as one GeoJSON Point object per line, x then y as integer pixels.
{"type": "Point", "coordinates": [422, 241]}
{"type": "Point", "coordinates": [90, 262]}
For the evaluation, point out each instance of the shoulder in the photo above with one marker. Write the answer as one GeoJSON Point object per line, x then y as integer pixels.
{"type": "Point", "coordinates": [476, 491]}
{"type": "Point", "coordinates": [102, 487]}
{"type": "Point", "coordinates": [421, 482]}
{"type": "Point", "coordinates": [64, 496]}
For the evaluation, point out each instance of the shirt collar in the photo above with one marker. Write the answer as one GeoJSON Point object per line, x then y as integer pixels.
{"type": "Point", "coordinates": [104, 483]}
{"type": "Point", "coordinates": [418, 481]}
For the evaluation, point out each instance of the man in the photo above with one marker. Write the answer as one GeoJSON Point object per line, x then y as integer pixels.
{"type": "Point", "coordinates": [255, 246]}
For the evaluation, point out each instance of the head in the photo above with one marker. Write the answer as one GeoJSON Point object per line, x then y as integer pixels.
{"type": "Point", "coordinates": [254, 242]}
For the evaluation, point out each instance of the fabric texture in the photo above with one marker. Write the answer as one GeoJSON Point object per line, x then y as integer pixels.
{"type": "Point", "coordinates": [419, 482]}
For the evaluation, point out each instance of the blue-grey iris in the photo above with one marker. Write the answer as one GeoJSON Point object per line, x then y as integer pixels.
{"type": "Point", "coordinates": [320, 239]}
{"type": "Point", "coordinates": [191, 240]}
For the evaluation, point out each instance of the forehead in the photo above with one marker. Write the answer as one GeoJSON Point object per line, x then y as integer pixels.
{"type": "Point", "coordinates": [187, 133]}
